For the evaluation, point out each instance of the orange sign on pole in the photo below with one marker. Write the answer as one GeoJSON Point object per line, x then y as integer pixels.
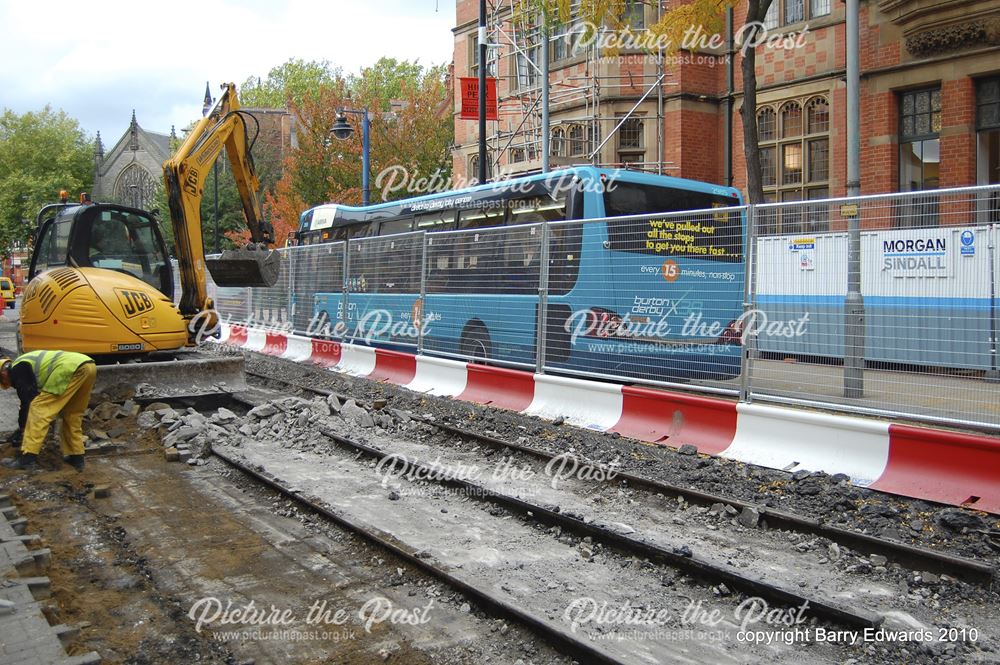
{"type": "Point", "coordinates": [470, 98]}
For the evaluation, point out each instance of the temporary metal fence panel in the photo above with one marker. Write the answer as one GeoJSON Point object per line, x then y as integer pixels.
{"type": "Point", "coordinates": [481, 293]}
{"type": "Point", "coordinates": [383, 289]}
{"type": "Point", "coordinates": [671, 299]}
{"type": "Point", "coordinates": [270, 306]}
{"type": "Point", "coordinates": [928, 274]}
{"type": "Point", "coordinates": [317, 289]}
{"type": "Point", "coordinates": [651, 298]}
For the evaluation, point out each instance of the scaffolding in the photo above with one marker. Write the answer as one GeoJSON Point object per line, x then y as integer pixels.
{"type": "Point", "coordinates": [576, 100]}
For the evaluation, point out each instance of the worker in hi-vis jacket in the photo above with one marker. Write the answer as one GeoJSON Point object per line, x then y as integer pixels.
{"type": "Point", "coordinates": [49, 384]}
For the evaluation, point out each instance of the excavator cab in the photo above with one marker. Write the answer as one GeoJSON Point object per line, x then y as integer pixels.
{"type": "Point", "coordinates": [113, 237]}
{"type": "Point", "coordinates": [101, 283]}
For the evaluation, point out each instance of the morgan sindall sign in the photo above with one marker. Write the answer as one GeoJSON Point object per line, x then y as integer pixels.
{"type": "Point", "coordinates": [918, 253]}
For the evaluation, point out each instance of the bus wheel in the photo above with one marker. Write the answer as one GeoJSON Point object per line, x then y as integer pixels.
{"type": "Point", "coordinates": [476, 345]}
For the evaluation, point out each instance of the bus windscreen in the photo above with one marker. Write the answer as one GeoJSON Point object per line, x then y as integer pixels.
{"type": "Point", "coordinates": [715, 236]}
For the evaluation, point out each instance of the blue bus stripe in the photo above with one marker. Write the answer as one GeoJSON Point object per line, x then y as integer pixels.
{"type": "Point", "coordinates": [876, 301]}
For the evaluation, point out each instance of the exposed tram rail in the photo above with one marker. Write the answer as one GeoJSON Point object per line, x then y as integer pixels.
{"type": "Point", "coordinates": [910, 556]}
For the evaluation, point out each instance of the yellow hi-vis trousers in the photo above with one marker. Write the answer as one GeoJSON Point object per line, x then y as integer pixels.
{"type": "Point", "coordinates": [71, 404]}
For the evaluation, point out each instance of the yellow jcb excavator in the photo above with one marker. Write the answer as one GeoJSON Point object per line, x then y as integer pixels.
{"type": "Point", "coordinates": [101, 281]}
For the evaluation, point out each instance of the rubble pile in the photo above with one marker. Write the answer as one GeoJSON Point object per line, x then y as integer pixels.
{"type": "Point", "coordinates": [110, 425]}
{"type": "Point", "coordinates": [292, 422]}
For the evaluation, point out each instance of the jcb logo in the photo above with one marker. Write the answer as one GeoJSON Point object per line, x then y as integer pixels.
{"type": "Point", "coordinates": [134, 303]}
{"type": "Point", "coordinates": [191, 182]}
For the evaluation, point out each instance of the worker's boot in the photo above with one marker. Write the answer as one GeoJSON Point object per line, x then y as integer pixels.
{"type": "Point", "coordinates": [75, 461]}
{"type": "Point", "coordinates": [23, 462]}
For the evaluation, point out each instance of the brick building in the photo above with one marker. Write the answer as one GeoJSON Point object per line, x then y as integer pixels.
{"type": "Point", "coordinates": [930, 99]}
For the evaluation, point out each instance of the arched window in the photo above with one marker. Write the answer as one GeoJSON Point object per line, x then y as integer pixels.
{"type": "Point", "coordinates": [765, 124]}
{"type": "Point", "coordinates": [791, 120]}
{"type": "Point", "coordinates": [516, 155]}
{"type": "Point", "coordinates": [817, 116]}
{"type": "Point", "coordinates": [788, 12]}
{"type": "Point", "coordinates": [576, 140]}
{"type": "Point", "coordinates": [795, 163]}
{"type": "Point", "coordinates": [474, 169]}
{"type": "Point", "coordinates": [558, 140]}
{"type": "Point", "coordinates": [135, 187]}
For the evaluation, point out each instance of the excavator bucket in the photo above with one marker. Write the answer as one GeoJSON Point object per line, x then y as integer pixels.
{"type": "Point", "coordinates": [245, 267]}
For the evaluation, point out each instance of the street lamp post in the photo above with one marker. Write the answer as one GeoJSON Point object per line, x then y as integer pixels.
{"type": "Point", "coordinates": [342, 130]}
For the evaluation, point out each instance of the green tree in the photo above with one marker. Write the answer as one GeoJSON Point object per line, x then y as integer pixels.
{"type": "Point", "coordinates": [291, 82]}
{"type": "Point", "coordinates": [389, 79]}
{"type": "Point", "coordinates": [41, 153]}
{"type": "Point", "coordinates": [412, 136]}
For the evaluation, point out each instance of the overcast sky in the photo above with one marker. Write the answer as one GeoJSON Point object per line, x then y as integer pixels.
{"type": "Point", "coordinates": [98, 60]}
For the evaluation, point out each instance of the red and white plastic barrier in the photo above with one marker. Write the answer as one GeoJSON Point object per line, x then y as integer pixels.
{"type": "Point", "coordinates": [783, 438]}
{"type": "Point", "coordinates": [439, 376]}
{"type": "Point", "coordinates": [937, 465]}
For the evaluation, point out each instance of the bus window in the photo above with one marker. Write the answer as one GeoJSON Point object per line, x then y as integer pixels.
{"type": "Point", "coordinates": [713, 236]}
{"type": "Point", "coordinates": [522, 254]}
{"type": "Point", "coordinates": [463, 262]}
{"type": "Point", "coordinates": [537, 209]}
{"type": "Point", "coordinates": [386, 265]}
{"type": "Point", "coordinates": [364, 268]}
{"type": "Point", "coordinates": [477, 218]}
{"type": "Point", "coordinates": [443, 220]}
{"type": "Point", "coordinates": [349, 231]}
{"type": "Point", "coordinates": [391, 226]}
{"type": "Point", "coordinates": [474, 262]}
{"type": "Point", "coordinates": [401, 258]}
{"type": "Point", "coordinates": [327, 268]}
{"type": "Point", "coordinates": [565, 243]}
{"type": "Point", "coordinates": [439, 262]}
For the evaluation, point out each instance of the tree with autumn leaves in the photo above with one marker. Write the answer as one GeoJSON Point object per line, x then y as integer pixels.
{"type": "Point", "coordinates": [412, 131]}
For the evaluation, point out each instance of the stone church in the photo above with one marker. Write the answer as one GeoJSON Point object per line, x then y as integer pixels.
{"type": "Point", "coordinates": [133, 169]}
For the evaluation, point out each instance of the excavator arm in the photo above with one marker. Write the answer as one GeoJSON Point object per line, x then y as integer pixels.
{"type": "Point", "coordinates": [185, 175]}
